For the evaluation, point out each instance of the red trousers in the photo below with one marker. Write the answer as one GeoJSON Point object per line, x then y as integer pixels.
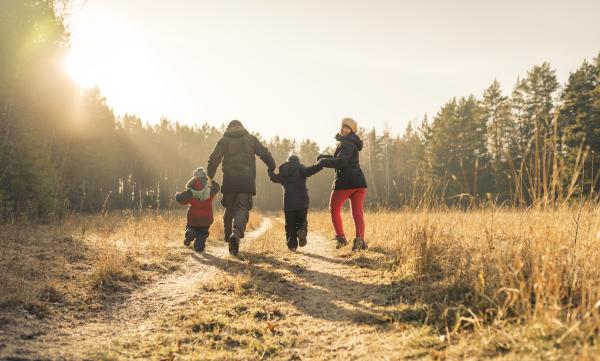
{"type": "Point", "coordinates": [357, 198]}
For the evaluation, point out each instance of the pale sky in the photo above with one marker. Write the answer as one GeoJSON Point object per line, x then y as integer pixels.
{"type": "Point", "coordinates": [295, 68]}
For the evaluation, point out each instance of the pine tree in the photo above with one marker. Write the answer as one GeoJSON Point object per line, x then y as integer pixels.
{"type": "Point", "coordinates": [579, 118]}
{"type": "Point", "coordinates": [500, 126]}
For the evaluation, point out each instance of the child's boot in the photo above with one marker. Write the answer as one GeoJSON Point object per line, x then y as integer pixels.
{"type": "Point", "coordinates": [190, 234]}
{"type": "Point", "coordinates": [200, 243]}
{"type": "Point", "coordinates": [301, 237]}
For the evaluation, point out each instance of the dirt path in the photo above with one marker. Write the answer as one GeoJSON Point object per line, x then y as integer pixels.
{"type": "Point", "coordinates": [137, 315]}
{"type": "Point", "coordinates": [317, 303]}
{"type": "Point", "coordinates": [321, 303]}
{"type": "Point", "coordinates": [340, 302]}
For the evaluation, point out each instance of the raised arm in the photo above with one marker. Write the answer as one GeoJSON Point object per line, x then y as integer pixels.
{"type": "Point", "coordinates": [215, 159]}
{"type": "Point", "coordinates": [263, 153]}
{"type": "Point", "coordinates": [184, 197]}
{"type": "Point", "coordinates": [275, 178]}
{"type": "Point", "coordinates": [341, 160]}
{"type": "Point", "coordinates": [214, 187]}
{"type": "Point", "coordinates": [312, 170]}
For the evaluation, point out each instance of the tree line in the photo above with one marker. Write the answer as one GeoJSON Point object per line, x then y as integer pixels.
{"type": "Point", "coordinates": [63, 150]}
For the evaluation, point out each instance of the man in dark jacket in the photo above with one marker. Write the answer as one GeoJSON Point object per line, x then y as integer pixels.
{"type": "Point", "coordinates": [292, 176]}
{"type": "Point", "coordinates": [237, 150]}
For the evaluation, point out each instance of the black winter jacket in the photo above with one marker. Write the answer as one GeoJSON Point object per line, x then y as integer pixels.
{"type": "Point", "coordinates": [292, 176]}
{"type": "Point", "coordinates": [237, 150]}
{"type": "Point", "coordinates": [345, 160]}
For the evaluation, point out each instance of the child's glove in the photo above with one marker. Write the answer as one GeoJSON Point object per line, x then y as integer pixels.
{"type": "Point", "coordinates": [214, 187]}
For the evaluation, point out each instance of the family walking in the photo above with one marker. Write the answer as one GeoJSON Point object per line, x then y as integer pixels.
{"type": "Point", "coordinates": [236, 151]}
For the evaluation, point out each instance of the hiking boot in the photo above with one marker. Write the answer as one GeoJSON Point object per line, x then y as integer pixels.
{"type": "Point", "coordinates": [234, 244]}
{"type": "Point", "coordinates": [341, 242]}
{"type": "Point", "coordinates": [189, 237]}
{"type": "Point", "coordinates": [359, 244]}
{"type": "Point", "coordinates": [292, 243]}
{"type": "Point", "coordinates": [301, 238]}
{"type": "Point", "coordinates": [200, 244]}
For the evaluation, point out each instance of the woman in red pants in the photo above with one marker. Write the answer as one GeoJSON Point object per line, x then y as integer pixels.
{"type": "Point", "coordinates": [349, 183]}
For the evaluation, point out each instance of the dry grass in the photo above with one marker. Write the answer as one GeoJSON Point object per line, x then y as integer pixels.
{"type": "Point", "coordinates": [226, 321]}
{"type": "Point", "coordinates": [435, 285]}
{"type": "Point", "coordinates": [516, 278]}
{"type": "Point", "coordinates": [273, 304]}
{"type": "Point", "coordinates": [87, 258]}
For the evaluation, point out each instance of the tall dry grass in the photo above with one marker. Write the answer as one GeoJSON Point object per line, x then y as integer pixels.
{"type": "Point", "coordinates": [497, 268]}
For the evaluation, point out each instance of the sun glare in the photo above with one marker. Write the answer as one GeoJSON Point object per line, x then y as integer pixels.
{"type": "Point", "coordinates": [82, 75]}
{"type": "Point", "coordinates": [118, 63]}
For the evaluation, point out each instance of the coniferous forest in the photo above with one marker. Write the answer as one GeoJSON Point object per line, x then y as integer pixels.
{"type": "Point", "coordinates": [63, 150]}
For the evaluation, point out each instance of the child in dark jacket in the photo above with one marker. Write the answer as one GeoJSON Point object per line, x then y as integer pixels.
{"type": "Point", "coordinates": [292, 176]}
{"type": "Point", "coordinates": [199, 197]}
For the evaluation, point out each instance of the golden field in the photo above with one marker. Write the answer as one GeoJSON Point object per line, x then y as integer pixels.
{"type": "Point", "coordinates": [494, 283]}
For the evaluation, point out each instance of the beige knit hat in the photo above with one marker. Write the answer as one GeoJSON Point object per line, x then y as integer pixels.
{"type": "Point", "coordinates": [350, 123]}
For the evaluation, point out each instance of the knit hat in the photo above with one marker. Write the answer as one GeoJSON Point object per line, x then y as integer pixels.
{"type": "Point", "coordinates": [350, 123]}
{"type": "Point", "coordinates": [200, 172]}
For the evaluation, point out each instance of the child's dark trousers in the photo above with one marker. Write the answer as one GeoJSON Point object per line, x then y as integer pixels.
{"type": "Point", "coordinates": [295, 221]}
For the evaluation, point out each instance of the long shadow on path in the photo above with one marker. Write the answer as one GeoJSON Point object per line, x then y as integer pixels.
{"type": "Point", "coordinates": [322, 295]}
{"type": "Point", "coordinates": [317, 294]}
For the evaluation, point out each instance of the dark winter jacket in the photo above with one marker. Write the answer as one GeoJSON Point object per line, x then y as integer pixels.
{"type": "Point", "coordinates": [345, 160]}
{"type": "Point", "coordinates": [292, 176]}
{"type": "Point", "coordinates": [237, 150]}
{"type": "Point", "coordinates": [200, 213]}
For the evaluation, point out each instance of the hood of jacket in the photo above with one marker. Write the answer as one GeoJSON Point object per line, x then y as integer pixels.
{"type": "Point", "coordinates": [235, 129]}
{"type": "Point", "coordinates": [289, 167]}
{"type": "Point", "coordinates": [351, 138]}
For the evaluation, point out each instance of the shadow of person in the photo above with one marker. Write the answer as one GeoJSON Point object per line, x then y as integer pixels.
{"type": "Point", "coordinates": [361, 261]}
{"type": "Point", "coordinates": [322, 295]}
{"type": "Point", "coordinates": [381, 299]}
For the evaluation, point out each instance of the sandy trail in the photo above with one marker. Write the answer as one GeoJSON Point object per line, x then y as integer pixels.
{"type": "Point", "coordinates": [138, 314]}
{"type": "Point", "coordinates": [337, 299]}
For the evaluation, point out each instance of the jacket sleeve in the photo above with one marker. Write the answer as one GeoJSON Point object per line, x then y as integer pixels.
{"type": "Point", "coordinates": [214, 188]}
{"type": "Point", "coordinates": [215, 159]}
{"type": "Point", "coordinates": [312, 170]}
{"type": "Point", "coordinates": [184, 197]}
{"type": "Point", "coordinates": [263, 153]}
{"type": "Point", "coordinates": [324, 156]}
{"type": "Point", "coordinates": [275, 178]}
{"type": "Point", "coordinates": [343, 157]}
